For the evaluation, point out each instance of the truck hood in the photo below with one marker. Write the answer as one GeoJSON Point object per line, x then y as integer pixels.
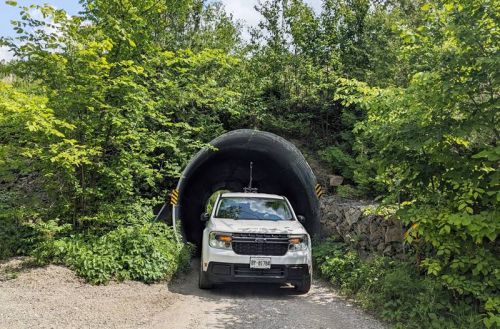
{"type": "Point", "coordinates": [257, 226]}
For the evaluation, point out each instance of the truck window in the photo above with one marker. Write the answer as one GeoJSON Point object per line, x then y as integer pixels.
{"type": "Point", "coordinates": [253, 208]}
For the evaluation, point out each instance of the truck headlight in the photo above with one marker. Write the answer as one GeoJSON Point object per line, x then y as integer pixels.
{"type": "Point", "coordinates": [298, 242]}
{"type": "Point", "coordinates": [220, 240]}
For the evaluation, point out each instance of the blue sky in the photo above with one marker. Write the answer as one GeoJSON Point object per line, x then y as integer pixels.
{"type": "Point", "coordinates": [241, 9]}
{"type": "Point", "coordinates": [8, 13]}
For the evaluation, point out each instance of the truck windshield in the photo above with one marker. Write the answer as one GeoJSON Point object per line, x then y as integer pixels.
{"type": "Point", "coordinates": [254, 208]}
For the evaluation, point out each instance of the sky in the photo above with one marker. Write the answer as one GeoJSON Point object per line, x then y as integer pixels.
{"type": "Point", "coordinates": [241, 9]}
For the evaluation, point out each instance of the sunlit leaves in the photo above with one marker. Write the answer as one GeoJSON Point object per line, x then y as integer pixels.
{"type": "Point", "coordinates": [435, 142]}
{"type": "Point", "coordinates": [119, 99]}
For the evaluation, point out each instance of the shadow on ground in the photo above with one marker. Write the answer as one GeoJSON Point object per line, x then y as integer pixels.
{"type": "Point", "coordinates": [266, 306]}
{"type": "Point", "coordinates": [11, 268]}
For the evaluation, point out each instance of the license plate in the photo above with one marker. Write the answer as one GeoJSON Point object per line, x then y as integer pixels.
{"type": "Point", "coordinates": [260, 262]}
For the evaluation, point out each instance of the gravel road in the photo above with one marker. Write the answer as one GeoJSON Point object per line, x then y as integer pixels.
{"type": "Point", "coordinates": [53, 297]}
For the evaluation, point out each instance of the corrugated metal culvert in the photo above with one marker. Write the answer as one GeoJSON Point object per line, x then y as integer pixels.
{"type": "Point", "coordinates": [278, 168]}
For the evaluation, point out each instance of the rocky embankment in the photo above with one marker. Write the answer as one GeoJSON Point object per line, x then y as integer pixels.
{"type": "Point", "coordinates": [353, 222]}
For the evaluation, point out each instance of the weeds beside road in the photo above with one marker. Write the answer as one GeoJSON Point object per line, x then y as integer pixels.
{"type": "Point", "coordinates": [395, 290]}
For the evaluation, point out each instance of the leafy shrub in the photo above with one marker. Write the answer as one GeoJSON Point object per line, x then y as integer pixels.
{"type": "Point", "coordinates": [396, 290]}
{"type": "Point", "coordinates": [12, 235]}
{"type": "Point", "coordinates": [146, 252]}
{"type": "Point", "coordinates": [93, 139]}
{"type": "Point", "coordinates": [339, 161]}
{"type": "Point", "coordinates": [437, 152]}
{"type": "Point", "coordinates": [35, 161]}
{"type": "Point", "coordinates": [460, 252]}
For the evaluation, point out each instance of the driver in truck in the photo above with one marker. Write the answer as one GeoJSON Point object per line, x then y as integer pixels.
{"type": "Point", "coordinates": [255, 237]}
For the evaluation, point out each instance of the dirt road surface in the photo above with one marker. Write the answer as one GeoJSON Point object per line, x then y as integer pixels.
{"type": "Point", "coordinates": [53, 297]}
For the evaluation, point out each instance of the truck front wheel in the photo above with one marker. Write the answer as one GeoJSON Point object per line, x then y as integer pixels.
{"type": "Point", "coordinates": [303, 286]}
{"type": "Point", "coordinates": [203, 280]}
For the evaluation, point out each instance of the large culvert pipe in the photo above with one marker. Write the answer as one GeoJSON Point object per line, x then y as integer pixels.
{"type": "Point", "coordinates": [278, 168]}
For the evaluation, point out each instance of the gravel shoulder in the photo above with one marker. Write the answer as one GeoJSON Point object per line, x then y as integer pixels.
{"type": "Point", "coordinates": [53, 297]}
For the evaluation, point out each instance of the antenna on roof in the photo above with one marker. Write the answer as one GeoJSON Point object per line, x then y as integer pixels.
{"type": "Point", "coordinates": [251, 175]}
{"type": "Point", "coordinates": [250, 189]}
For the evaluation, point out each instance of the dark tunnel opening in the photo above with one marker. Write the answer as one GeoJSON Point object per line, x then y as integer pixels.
{"type": "Point", "coordinates": [278, 168]}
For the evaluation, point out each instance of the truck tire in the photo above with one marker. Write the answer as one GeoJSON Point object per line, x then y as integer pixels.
{"type": "Point", "coordinates": [203, 280]}
{"type": "Point", "coordinates": [304, 286]}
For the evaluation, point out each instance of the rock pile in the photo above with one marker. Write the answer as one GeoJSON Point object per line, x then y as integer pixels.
{"type": "Point", "coordinates": [350, 221]}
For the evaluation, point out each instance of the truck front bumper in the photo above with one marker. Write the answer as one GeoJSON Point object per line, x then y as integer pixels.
{"type": "Point", "coordinates": [228, 272]}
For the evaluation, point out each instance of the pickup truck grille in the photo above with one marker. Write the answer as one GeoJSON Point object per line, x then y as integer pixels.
{"type": "Point", "coordinates": [260, 244]}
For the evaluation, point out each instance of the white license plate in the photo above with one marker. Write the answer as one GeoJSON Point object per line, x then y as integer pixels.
{"type": "Point", "coordinates": [260, 262]}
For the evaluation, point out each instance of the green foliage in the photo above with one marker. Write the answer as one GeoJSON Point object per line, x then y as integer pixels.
{"type": "Point", "coordinates": [34, 152]}
{"type": "Point", "coordinates": [395, 290]}
{"type": "Point", "coordinates": [105, 108]}
{"type": "Point", "coordinates": [340, 162]}
{"type": "Point", "coordinates": [104, 111]}
{"type": "Point", "coordinates": [434, 145]}
{"type": "Point", "coordinates": [296, 57]}
{"type": "Point", "coordinates": [127, 119]}
{"type": "Point", "coordinates": [13, 235]}
{"type": "Point", "coordinates": [211, 200]}
{"type": "Point", "coordinates": [147, 252]}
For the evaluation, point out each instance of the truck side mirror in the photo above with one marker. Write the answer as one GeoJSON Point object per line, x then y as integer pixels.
{"type": "Point", "coordinates": [205, 217]}
{"type": "Point", "coordinates": [301, 218]}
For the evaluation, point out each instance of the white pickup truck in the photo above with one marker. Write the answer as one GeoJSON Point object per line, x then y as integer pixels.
{"type": "Point", "coordinates": [255, 237]}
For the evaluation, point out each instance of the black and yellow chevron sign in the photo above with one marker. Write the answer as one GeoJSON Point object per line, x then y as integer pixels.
{"type": "Point", "coordinates": [319, 190]}
{"type": "Point", "coordinates": [174, 196]}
